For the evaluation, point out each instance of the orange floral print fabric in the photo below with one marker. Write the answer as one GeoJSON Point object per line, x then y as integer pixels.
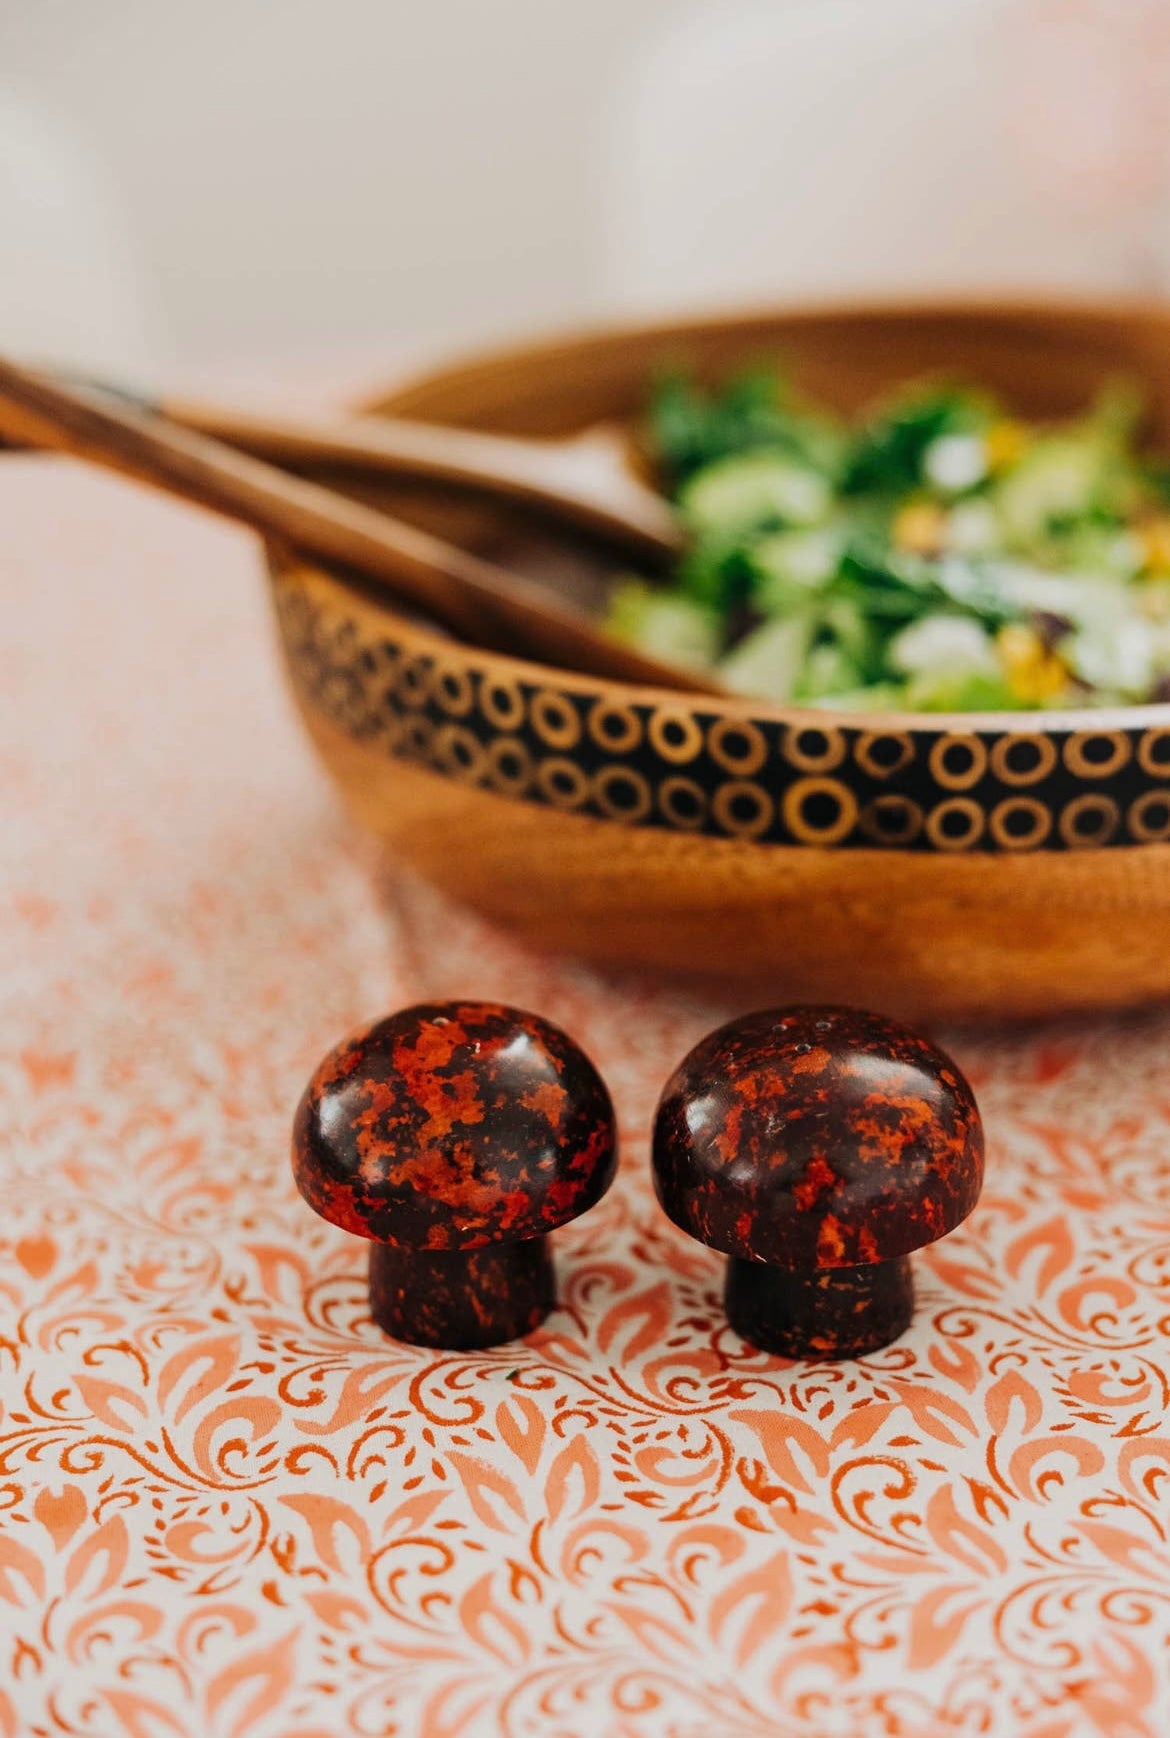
{"type": "Point", "coordinates": [229, 1508]}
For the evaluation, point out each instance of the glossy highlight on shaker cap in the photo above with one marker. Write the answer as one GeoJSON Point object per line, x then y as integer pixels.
{"type": "Point", "coordinates": [817, 1138]}
{"type": "Point", "coordinates": [452, 1126]}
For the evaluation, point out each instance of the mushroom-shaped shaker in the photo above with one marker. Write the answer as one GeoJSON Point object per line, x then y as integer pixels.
{"type": "Point", "coordinates": [817, 1147]}
{"type": "Point", "coordinates": [455, 1135]}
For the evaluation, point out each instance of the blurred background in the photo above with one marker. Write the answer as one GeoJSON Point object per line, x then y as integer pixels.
{"type": "Point", "coordinates": [248, 185]}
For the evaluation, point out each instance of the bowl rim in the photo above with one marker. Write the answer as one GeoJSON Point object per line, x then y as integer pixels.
{"type": "Point", "coordinates": [677, 324]}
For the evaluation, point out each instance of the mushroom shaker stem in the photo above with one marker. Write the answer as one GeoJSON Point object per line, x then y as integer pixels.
{"type": "Point", "coordinates": [455, 1136]}
{"type": "Point", "coordinates": [817, 1147]}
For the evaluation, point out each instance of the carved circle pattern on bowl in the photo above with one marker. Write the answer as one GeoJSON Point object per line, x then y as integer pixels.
{"type": "Point", "coordinates": [958, 762]}
{"type": "Point", "coordinates": [1090, 821]}
{"type": "Point", "coordinates": [891, 820]}
{"type": "Point", "coordinates": [1002, 790]}
{"type": "Point", "coordinates": [1149, 817]}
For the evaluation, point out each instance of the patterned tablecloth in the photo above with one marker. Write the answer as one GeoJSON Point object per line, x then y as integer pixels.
{"type": "Point", "coordinates": [228, 1506]}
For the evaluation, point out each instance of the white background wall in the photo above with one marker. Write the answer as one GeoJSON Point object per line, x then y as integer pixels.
{"type": "Point", "coordinates": [303, 171]}
{"type": "Point", "coordinates": [310, 180]}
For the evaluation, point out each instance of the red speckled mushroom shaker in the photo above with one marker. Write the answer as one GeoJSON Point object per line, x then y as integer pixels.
{"type": "Point", "coordinates": [455, 1135]}
{"type": "Point", "coordinates": [817, 1147]}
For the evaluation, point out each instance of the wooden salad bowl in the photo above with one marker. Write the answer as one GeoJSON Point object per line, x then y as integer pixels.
{"type": "Point", "coordinates": [937, 866]}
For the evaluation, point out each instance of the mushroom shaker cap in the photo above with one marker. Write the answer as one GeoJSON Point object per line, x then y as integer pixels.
{"type": "Point", "coordinates": [454, 1135]}
{"type": "Point", "coordinates": [818, 1142]}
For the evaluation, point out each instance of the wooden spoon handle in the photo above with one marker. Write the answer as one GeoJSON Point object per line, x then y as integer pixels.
{"type": "Point", "coordinates": [475, 599]}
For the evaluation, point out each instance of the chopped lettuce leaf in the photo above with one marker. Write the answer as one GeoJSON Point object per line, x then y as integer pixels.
{"type": "Point", "coordinates": [770, 659]}
{"type": "Point", "coordinates": [742, 494]}
{"type": "Point", "coordinates": [792, 562]}
{"type": "Point", "coordinates": [665, 626]}
{"type": "Point", "coordinates": [1115, 656]}
{"type": "Point", "coordinates": [945, 644]}
{"type": "Point", "coordinates": [977, 691]}
{"type": "Point", "coordinates": [1058, 478]}
{"type": "Point", "coordinates": [829, 669]}
{"type": "Point", "coordinates": [877, 697]}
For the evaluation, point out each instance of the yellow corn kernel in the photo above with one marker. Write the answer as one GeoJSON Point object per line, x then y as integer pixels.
{"type": "Point", "coordinates": [1154, 538]}
{"type": "Point", "coordinates": [919, 528]}
{"type": "Point", "coordinates": [1034, 673]}
{"type": "Point", "coordinates": [1003, 443]}
{"type": "Point", "coordinates": [1051, 679]}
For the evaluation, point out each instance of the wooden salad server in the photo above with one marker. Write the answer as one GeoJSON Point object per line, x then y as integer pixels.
{"type": "Point", "coordinates": [476, 599]}
{"type": "Point", "coordinates": [584, 480]}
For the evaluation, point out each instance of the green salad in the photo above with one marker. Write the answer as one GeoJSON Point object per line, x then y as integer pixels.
{"type": "Point", "coordinates": [940, 554]}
